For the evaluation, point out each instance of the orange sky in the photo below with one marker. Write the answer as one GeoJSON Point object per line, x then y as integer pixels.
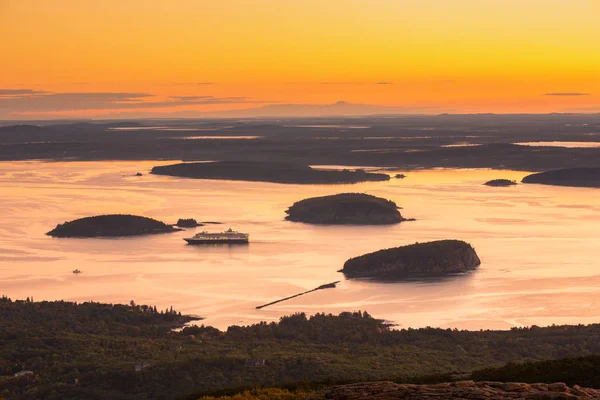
{"type": "Point", "coordinates": [85, 58]}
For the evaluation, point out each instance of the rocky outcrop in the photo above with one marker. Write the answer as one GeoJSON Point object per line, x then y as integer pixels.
{"type": "Point", "coordinates": [111, 226]}
{"type": "Point", "coordinates": [578, 177]}
{"type": "Point", "coordinates": [266, 172]}
{"type": "Point", "coordinates": [432, 259]}
{"type": "Point", "coordinates": [188, 223]}
{"type": "Point", "coordinates": [456, 390]}
{"type": "Point", "coordinates": [500, 182]}
{"type": "Point", "coordinates": [345, 209]}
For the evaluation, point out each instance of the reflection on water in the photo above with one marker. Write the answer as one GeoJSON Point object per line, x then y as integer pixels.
{"type": "Point", "coordinates": [218, 247]}
{"type": "Point", "coordinates": [221, 137]}
{"type": "Point", "coordinates": [461, 145]}
{"type": "Point", "coordinates": [386, 150]}
{"type": "Point", "coordinates": [168, 128]}
{"type": "Point", "coordinates": [538, 246]}
{"type": "Point", "coordinates": [572, 145]}
{"type": "Point", "coordinates": [330, 126]}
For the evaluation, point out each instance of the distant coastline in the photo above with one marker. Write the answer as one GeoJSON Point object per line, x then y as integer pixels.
{"type": "Point", "coordinates": [407, 142]}
{"type": "Point", "coordinates": [266, 172]}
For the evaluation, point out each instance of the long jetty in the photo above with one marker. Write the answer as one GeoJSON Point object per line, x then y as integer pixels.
{"type": "Point", "coordinates": [326, 286]}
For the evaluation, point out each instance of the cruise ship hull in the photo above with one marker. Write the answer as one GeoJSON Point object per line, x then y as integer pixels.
{"type": "Point", "coordinates": [217, 241]}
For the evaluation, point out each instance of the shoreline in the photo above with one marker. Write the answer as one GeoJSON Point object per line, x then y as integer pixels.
{"type": "Point", "coordinates": [392, 326]}
{"type": "Point", "coordinates": [382, 168]}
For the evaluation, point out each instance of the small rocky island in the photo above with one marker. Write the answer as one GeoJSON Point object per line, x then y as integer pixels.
{"type": "Point", "coordinates": [188, 223]}
{"type": "Point", "coordinates": [577, 177]}
{"type": "Point", "coordinates": [110, 226]}
{"type": "Point", "coordinates": [266, 172]}
{"type": "Point", "coordinates": [419, 260]}
{"type": "Point", "coordinates": [345, 209]}
{"type": "Point", "coordinates": [500, 182]}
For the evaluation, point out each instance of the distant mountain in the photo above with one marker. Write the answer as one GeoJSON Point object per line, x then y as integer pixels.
{"type": "Point", "coordinates": [341, 108]}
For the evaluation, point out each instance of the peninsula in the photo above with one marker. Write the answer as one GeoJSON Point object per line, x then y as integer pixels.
{"type": "Point", "coordinates": [111, 226]}
{"type": "Point", "coordinates": [431, 259]}
{"type": "Point", "coordinates": [266, 172]}
{"type": "Point", "coordinates": [345, 209]}
{"type": "Point", "coordinates": [577, 177]}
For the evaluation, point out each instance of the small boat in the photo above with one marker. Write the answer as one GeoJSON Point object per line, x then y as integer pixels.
{"type": "Point", "coordinates": [229, 236]}
{"type": "Point", "coordinates": [76, 271]}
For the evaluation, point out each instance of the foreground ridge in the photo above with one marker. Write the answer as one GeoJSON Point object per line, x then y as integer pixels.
{"type": "Point", "coordinates": [456, 390]}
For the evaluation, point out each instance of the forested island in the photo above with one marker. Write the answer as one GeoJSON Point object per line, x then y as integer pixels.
{"type": "Point", "coordinates": [345, 209]}
{"type": "Point", "coordinates": [114, 225]}
{"type": "Point", "coordinates": [276, 172]}
{"type": "Point", "coordinates": [188, 223]}
{"type": "Point", "coordinates": [63, 350]}
{"type": "Point", "coordinates": [577, 177]}
{"type": "Point", "coordinates": [500, 182]}
{"type": "Point", "coordinates": [431, 259]}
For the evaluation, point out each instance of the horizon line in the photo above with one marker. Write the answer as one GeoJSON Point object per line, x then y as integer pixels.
{"type": "Point", "coordinates": [299, 117]}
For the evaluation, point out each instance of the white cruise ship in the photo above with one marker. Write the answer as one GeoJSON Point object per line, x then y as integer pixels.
{"type": "Point", "coordinates": [229, 236]}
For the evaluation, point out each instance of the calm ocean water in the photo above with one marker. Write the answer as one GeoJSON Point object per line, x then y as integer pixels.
{"type": "Point", "coordinates": [538, 245]}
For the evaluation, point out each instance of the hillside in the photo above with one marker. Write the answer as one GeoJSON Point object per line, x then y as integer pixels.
{"type": "Point", "coordinates": [456, 391]}
{"type": "Point", "coordinates": [98, 351]}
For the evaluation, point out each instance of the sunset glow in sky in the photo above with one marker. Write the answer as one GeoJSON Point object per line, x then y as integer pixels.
{"type": "Point", "coordinates": [155, 57]}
